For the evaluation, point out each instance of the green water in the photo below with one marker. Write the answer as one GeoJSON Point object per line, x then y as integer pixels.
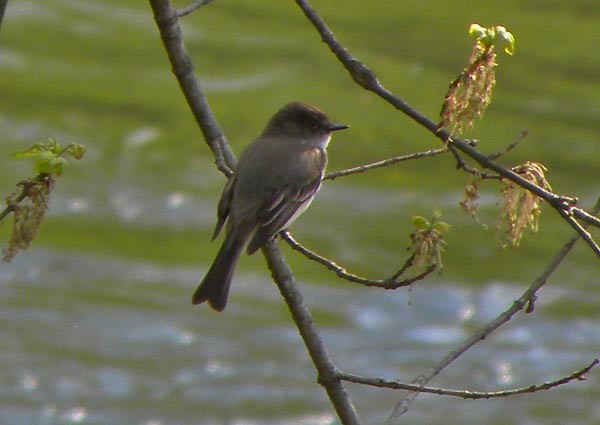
{"type": "Point", "coordinates": [96, 322]}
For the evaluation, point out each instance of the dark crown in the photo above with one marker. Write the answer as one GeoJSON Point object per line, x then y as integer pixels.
{"type": "Point", "coordinates": [300, 117]}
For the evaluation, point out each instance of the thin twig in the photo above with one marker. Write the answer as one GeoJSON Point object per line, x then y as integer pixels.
{"type": "Point", "coordinates": [525, 301]}
{"type": "Point", "coordinates": [166, 19]}
{"type": "Point", "coordinates": [461, 164]}
{"type": "Point", "coordinates": [367, 79]}
{"type": "Point", "coordinates": [586, 217]}
{"type": "Point", "coordinates": [383, 163]}
{"type": "Point", "coordinates": [26, 185]}
{"type": "Point", "coordinates": [578, 375]}
{"type": "Point", "coordinates": [585, 235]}
{"type": "Point", "coordinates": [11, 207]}
{"type": "Point", "coordinates": [196, 4]}
{"type": "Point", "coordinates": [510, 147]}
{"type": "Point", "coordinates": [391, 282]}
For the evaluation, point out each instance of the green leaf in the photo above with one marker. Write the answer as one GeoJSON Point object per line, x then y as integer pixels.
{"type": "Point", "coordinates": [30, 152]}
{"type": "Point", "coordinates": [420, 222]}
{"type": "Point", "coordinates": [477, 31]}
{"type": "Point", "coordinates": [49, 156]}
{"type": "Point", "coordinates": [58, 165]}
{"type": "Point", "coordinates": [76, 150]}
{"type": "Point", "coordinates": [509, 40]}
{"type": "Point", "coordinates": [441, 226]}
{"type": "Point", "coordinates": [48, 163]}
{"type": "Point", "coordinates": [486, 37]}
{"type": "Point", "coordinates": [54, 146]}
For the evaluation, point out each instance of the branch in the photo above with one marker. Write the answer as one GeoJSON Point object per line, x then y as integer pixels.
{"type": "Point", "coordinates": [12, 205]}
{"type": "Point", "coordinates": [383, 163]}
{"type": "Point", "coordinates": [391, 282]}
{"type": "Point", "coordinates": [367, 79]}
{"type": "Point", "coordinates": [586, 217]}
{"type": "Point", "coordinates": [3, 4]}
{"type": "Point", "coordinates": [568, 215]}
{"type": "Point", "coordinates": [183, 68]}
{"type": "Point", "coordinates": [482, 174]}
{"type": "Point", "coordinates": [578, 375]}
{"type": "Point", "coordinates": [510, 147]}
{"type": "Point", "coordinates": [526, 300]}
{"type": "Point", "coordinates": [196, 4]}
{"type": "Point", "coordinates": [327, 372]}
{"type": "Point", "coordinates": [166, 19]}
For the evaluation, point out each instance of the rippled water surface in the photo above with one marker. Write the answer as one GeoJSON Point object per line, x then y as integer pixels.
{"type": "Point", "coordinates": [83, 346]}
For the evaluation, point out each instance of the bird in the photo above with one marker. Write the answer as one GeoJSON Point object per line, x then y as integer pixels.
{"type": "Point", "coordinates": [275, 180]}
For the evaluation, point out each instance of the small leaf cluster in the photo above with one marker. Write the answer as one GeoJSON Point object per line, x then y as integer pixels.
{"type": "Point", "coordinates": [49, 156]}
{"type": "Point", "coordinates": [29, 202]}
{"type": "Point", "coordinates": [487, 37]}
{"type": "Point", "coordinates": [471, 92]}
{"type": "Point", "coordinates": [427, 240]}
{"type": "Point", "coordinates": [470, 202]}
{"type": "Point", "coordinates": [28, 207]}
{"type": "Point", "coordinates": [521, 208]}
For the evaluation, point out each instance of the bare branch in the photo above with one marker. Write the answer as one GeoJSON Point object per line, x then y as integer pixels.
{"type": "Point", "coordinates": [578, 375]}
{"type": "Point", "coordinates": [367, 79]}
{"type": "Point", "coordinates": [166, 19]}
{"type": "Point", "coordinates": [327, 372]}
{"type": "Point", "coordinates": [383, 163]}
{"type": "Point", "coordinates": [525, 301]}
{"type": "Point", "coordinates": [196, 4]}
{"type": "Point", "coordinates": [586, 216]}
{"type": "Point", "coordinates": [10, 207]}
{"type": "Point", "coordinates": [461, 164]}
{"type": "Point", "coordinates": [329, 377]}
{"type": "Point", "coordinates": [391, 282]}
{"type": "Point", "coordinates": [585, 235]}
{"type": "Point", "coordinates": [510, 147]}
{"type": "Point", "coordinates": [183, 68]}
{"type": "Point", "coordinates": [3, 4]}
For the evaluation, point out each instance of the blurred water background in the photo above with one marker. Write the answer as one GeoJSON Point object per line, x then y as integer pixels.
{"type": "Point", "coordinates": [95, 317]}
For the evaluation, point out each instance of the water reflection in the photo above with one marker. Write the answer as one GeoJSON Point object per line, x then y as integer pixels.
{"type": "Point", "coordinates": [131, 349]}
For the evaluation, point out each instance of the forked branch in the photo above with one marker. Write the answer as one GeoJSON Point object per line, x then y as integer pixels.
{"type": "Point", "coordinates": [578, 375]}
{"type": "Point", "coordinates": [392, 282]}
{"type": "Point", "coordinates": [366, 78]}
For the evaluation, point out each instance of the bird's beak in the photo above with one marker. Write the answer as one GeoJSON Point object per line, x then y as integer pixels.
{"type": "Point", "coordinates": [334, 126]}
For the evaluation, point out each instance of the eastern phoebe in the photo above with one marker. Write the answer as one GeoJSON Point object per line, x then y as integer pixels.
{"type": "Point", "coordinates": [275, 180]}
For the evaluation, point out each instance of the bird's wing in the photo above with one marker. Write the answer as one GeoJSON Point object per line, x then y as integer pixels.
{"type": "Point", "coordinates": [224, 205]}
{"type": "Point", "coordinates": [283, 207]}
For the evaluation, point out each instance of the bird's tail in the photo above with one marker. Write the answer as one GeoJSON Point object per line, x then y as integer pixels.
{"type": "Point", "coordinates": [214, 288]}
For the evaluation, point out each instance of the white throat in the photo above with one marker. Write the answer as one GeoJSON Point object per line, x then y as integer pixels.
{"type": "Point", "coordinates": [322, 141]}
